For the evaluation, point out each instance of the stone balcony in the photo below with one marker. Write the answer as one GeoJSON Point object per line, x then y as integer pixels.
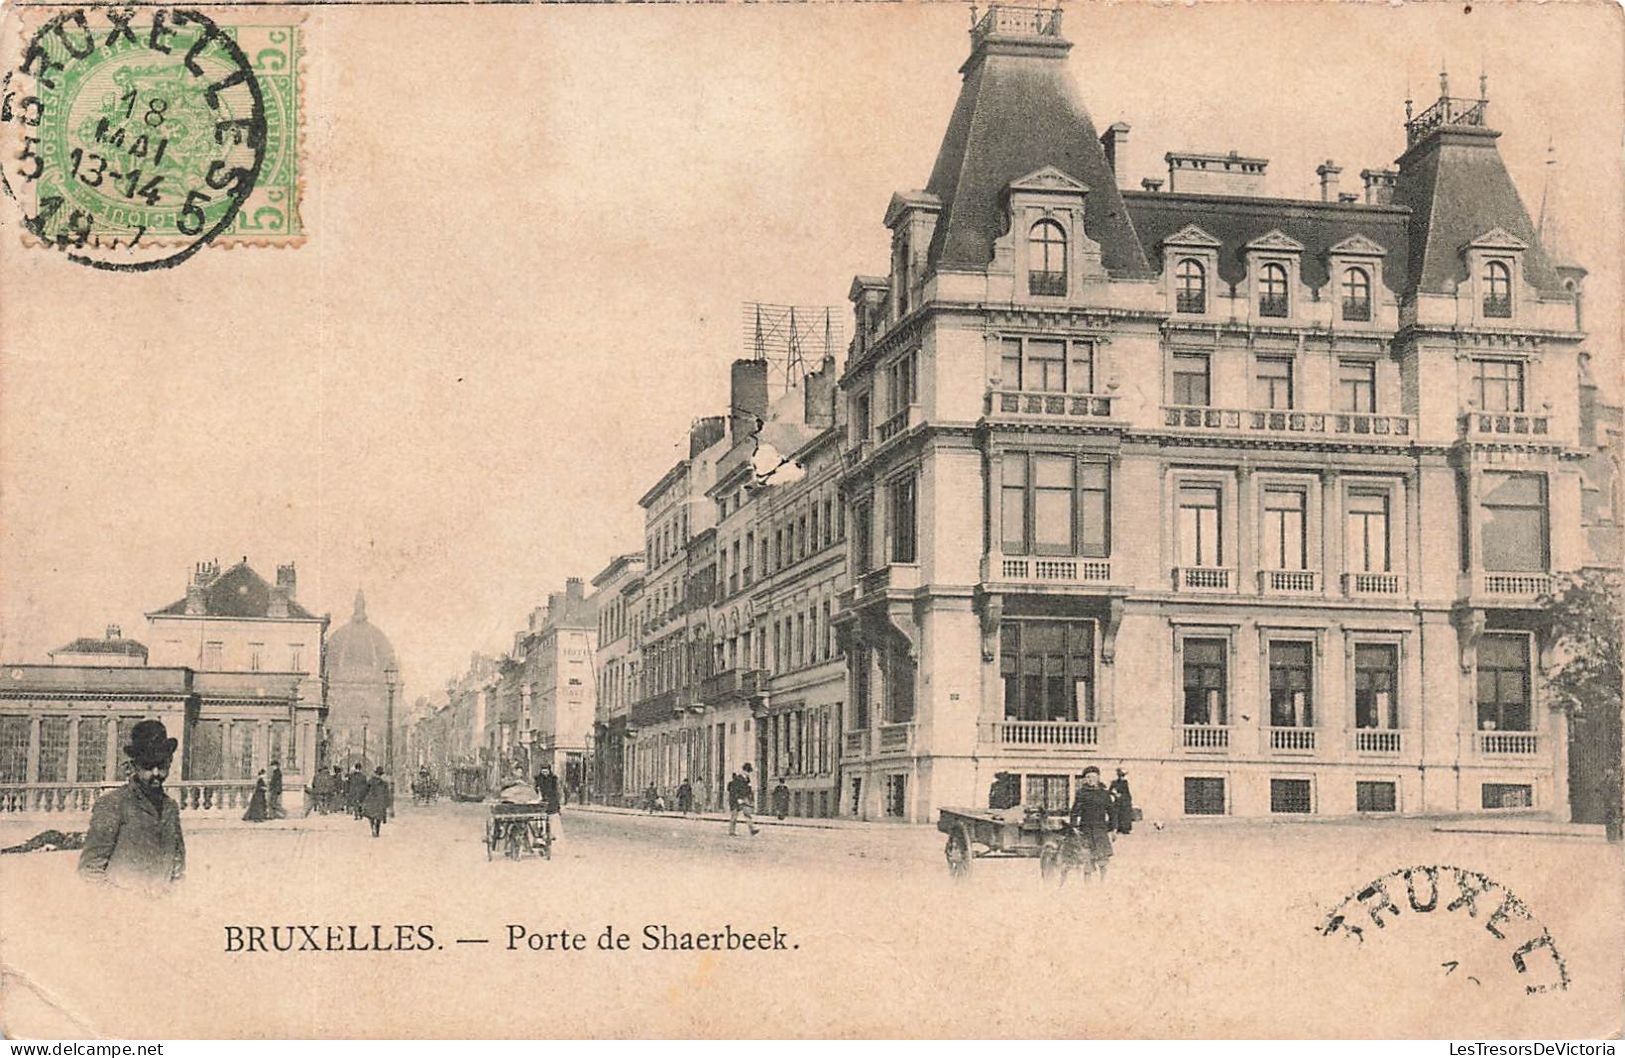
{"type": "Point", "coordinates": [855, 745]}
{"type": "Point", "coordinates": [1358, 585]}
{"type": "Point", "coordinates": [1518, 587]}
{"type": "Point", "coordinates": [1043, 736]}
{"type": "Point", "coordinates": [1204, 579]}
{"type": "Point", "coordinates": [731, 685]}
{"type": "Point", "coordinates": [1491, 425]}
{"type": "Point", "coordinates": [1372, 741]}
{"type": "Point", "coordinates": [1003, 404]}
{"type": "Point", "coordinates": [1298, 740]}
{"type": "Point", "coordinates": [894, 739]}
{"type": "Point", "coordinates": [1289, 582]}
{"type": "Point", "coordinates": [1309, 425]}
{"type": "Point", "coordinates": [1034, 570]}
{"type": "Point", "coordinates": [1507, 743]}
{"type": "Point", "coordinates": [1205, 738]}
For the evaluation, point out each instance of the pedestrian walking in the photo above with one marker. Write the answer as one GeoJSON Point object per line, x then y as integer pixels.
{"type": "Point", "coordinates": [781, 799]}
{"type": "Point", "coordinates": [355, 789]}
{"type": "Point", "coordinates": [273, 790]}
{"type": "Point", "coordinates": [651, 797]}
{"type": "Point", "coordinates": [547, 785]}
{"type": "Point", "coordinates": [258, 811]}
{"type": "Point", "coordinates": [376, 800]}
{"type": "Point", "coordinates": [134, 839]}
{"type": "Point", "coordinates": [685, 797]}
{"type": "Point", "coordinates": [1091, 820]}
{"type": "Point", "coordinates": [318, 792]}
{"type": "Point", "coordinates": [741, 799]}
{"type": "Point", "coordinates": [1122, 802]}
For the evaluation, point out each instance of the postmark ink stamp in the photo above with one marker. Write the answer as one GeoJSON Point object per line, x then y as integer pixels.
{"type": "Point", "coordinates": [1388, 902]}
{"type": "Point", "coordinates": [133, 138]}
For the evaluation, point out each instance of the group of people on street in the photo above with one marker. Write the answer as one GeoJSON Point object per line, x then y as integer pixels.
{"type": "Point", "coordinates": [266, 802]}
{"type": "Point", "coordinates": [364, 796]}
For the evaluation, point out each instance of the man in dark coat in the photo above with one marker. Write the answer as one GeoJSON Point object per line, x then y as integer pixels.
{"type": "Point", "coordinates": [376, 800]}
{"type": "Point", "coordinates": [355, 790]}
{"type": "Point", "coordinates": [273, 787]}
{"type": "Point", "coordinates": [547, 786]}
{"type": "Point", "coordinates": [1122, 802]}
{"type": "Point", "coordinates": [317, 793]}
{"type": "Point", "coordinates": [741, 799]}
{"type": "Point", "coordinates": [134, 839]}
{"type": "Point", "coordinates": [1091, 819]}
{"type": "Point", "coordinates": [685, 797]}
{"type": "Point", "coordinates": [781, 799]}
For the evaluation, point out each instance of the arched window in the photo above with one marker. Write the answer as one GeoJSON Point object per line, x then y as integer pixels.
{"type": "Point", "coordinates": [1497, 289]}
{"type": "Point", "coordinates": [1046, 259]}
{"type": "Point", "coordinates": [1190, 286]}
{"type": "Point", "coordinates": [1356, 294]}
{"type": "Point", "coordinates": [1272, 291]}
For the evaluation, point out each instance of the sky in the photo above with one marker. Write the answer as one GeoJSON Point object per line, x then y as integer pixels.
{"type": "Point", "coordinates": [531, 234]}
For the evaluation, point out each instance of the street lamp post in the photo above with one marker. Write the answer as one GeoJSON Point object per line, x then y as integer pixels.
{"type": "Point", "coordinates": [392, 680]}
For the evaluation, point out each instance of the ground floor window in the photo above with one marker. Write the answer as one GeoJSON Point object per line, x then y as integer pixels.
{"type": "Point", "coordinates": [53, 749]}
{"type": "Point", "coordinates": [1204, 681]}
{"type": "Point", "coordinates": [857, 797]}
{"type": "Point", "coordinates": [14, 748]}
{"type": "Point", "coordinates": [1290, 795]}
{"type": "Point", "coordinates": [1049, 792]}
{"type": "Point", "coordinates": [206, 751]}
{"type": "Point", "coordinates": [1375, 797]}
{"type": "Point", "coordinates": [1376, 675]}
{"type": "Point", "coordinates": [897, 796]}
{"type": "Point", "coordinates": [1292, 684]}
{"type": "Point", "coordinates": [1508, 795]}
{"type": "Point", "coordinates": [1204, 796]}
{"type": "Point", "coordinates": [93, 749]}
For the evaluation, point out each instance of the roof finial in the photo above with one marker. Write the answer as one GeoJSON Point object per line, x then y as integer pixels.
{"type": "Point", "coordinates": [1483, 86]}
{"type": "Point", "coordinates": [1444, 81]}
{"type": "Point", "coordinates": [360, 606]}
{"type": "Point", "coordinates": [973, 16]}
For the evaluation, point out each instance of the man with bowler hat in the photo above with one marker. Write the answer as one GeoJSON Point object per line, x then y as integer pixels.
{"type": "Point", "coordinates": [134, 838]}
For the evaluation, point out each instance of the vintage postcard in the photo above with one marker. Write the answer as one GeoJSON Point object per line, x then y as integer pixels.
{"type": "Point", "coordinates": [785, 520]}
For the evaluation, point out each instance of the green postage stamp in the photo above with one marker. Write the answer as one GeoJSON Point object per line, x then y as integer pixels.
{"type": "Point", "coordinates": [137, 136]}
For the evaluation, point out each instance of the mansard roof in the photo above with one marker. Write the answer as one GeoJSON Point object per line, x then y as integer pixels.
{"type": "Point", "coordinates": [1237, 223]}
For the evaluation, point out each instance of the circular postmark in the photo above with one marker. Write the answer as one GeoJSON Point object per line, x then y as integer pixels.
{"type": "Point", "coordinates": [130, 139]}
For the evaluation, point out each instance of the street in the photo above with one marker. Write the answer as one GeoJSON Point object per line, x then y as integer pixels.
{"type": "Point", "coordinates": [1194, 925]}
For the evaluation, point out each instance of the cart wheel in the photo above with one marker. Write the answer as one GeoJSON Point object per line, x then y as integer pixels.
{"type": "Point", "coordinates": [490, 838]}
{"type": "Point", "coordinates": [1050, 867]}
{"type": "Point", "coordinates": [958, 853]}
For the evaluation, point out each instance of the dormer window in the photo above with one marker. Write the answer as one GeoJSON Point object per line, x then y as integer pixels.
{"type": "Point", "coordinates": [1046, 259]}
{"type": "Point", "coordinates": [1497, 290]}
{"type": "Point", "coordinates": [1357, 295]}
{"type": "Point", "coordinates": [1272, 295]}
{"type": "Point", "coordinates": [1190, 289]}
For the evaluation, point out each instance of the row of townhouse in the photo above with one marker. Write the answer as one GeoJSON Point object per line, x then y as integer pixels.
{"type": "Point", "coordinates": [1255, 498]}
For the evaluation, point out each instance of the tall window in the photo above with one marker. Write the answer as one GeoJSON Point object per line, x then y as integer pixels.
{"type": "Point", "coordinates": [860, 688]}
{"type": "Point", "coordinates": [1292, 684]}
{"type": "Point", "coordinates": [53, 749]}
{"type": "Point", "coordinates": [1046, 259]}
{"type": "Point", "coordinates": [1048, 669]}
{"type": "Point", "coordinates": [1497, 385]}
{"type": "Point", "coordinates": [1497, 290]}
{"type": "Point", "coordinates": [900, 272]}
{"type": "Point", "coordinates": [1272, 290]}
{"type": "Point", "coordinates": [862, 526]}
{"type": "Point", "coordinates": [296, 657]}
{"type": "Point", "coordinates": [1190, 286]}
{"type": "Point", "coordinates": [1365, 536]}
{"type": "Point", "coordinates": [214, 657]}
{"type": "Point", "coordinates": [901, 508]}
{"type": "Point", "coordinates": [1376, 682]}
{"type": "Point", "coordinates": [1512, 529]}
{"type": "Point", "coordinates": [1054, 504]}
{"type": "Point", "coordinates": [1503, 682]}
{"type": "Point", "coordinates": [903, 383]}
{"type": "Point", "coordinates": [1047, 365]}
{"type": "Point", "coordinates": [860, 417]}
{"type": "Point", "coordinates": [1206, 691]}
{"type": "Point", "coordinates": [1274, 383]}
{"type": "Point", "coordinates": [899, 690]}
{"type": "Point", "coordinates": [1356, 294]}
{"type": "Point", "coordinates": [1201, 542]}
{"type": "Point", "coordinates": [1356, 385]}
{"type": "Point", "coordinates": [1191, 379]}
{"type": "Point", "coordinates": [14, 737]}
{"type": "Point", "coordinates": [92, 748]}
{"type": "Point", "coordinates": [256, 657]}
{"type": "Point", "coordinates": [1284, 529]}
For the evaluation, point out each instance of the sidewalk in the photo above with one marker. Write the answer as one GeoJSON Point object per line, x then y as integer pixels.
{"type": "Point", "coordinates": [762, 819]}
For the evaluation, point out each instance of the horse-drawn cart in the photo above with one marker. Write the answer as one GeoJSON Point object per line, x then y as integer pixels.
{"type": "Point", "coordinates": [518, 829]}
{"type": "Point", "coordinates": [1011, 833]}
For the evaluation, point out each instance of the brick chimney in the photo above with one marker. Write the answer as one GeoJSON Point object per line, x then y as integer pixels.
{"type": "Point", "coordinates": [1328, 173]}
{"type": "Point", "coordinates": [115, 632]}
{"type": "Point", "coordinates": [1115, 143]}
{"type": "Point", "coordinates": [203, 574]}
{"type": "Point", "coordinates": [1151, 184]}
{"type": "Point", "coordinates": [818, 408]}
{"type": "Point", "coordinates": [747, 397]}
{"type": "Point", "coordinates": [287, 578]}
{"type": "Point", "coordinates": [574, 590]}
{"type": "Point", "coordinates": [705, 433]}
{"type": "Point", "coordinates": [1379, 186]}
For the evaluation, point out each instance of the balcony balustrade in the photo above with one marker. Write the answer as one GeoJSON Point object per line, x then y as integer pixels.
{"type": "Point", "coordinates": [1205, 737]}
{"type": "Point", "coordinates": [855, 745]}
{"type": "Point", "coordinates": [895, 425]}
{"type": "Point", "coordinates": [1394, 428]}
{"type": "Point", "coordinates": [1292, 739]}
{"type": "Point", "coordinates": [1044, 735]}
{"type": "Point", "coordinates": [731, 685]}
{"type": "Point", "coordinates": [1009, 403]}
{"type": "Point", "coordinates": [1004, 19]}
{"type": "Point", "coordinates": [192, 795]}
{"type": "Point", "coordinates": [1204, 578]}
{"type": "Point", "coordinates": [901, 576]}
{"type": "Point", "coordinates": [1055, 570]}
{"type": "Point", "coordinates": [1356, 584]}
{"type": "Point", "coordinates": [1377, 740]}
{"type": "Point", "coordinates": [1508, 743]}
{"type": "Point", "coordinates": [1289, 581]}
{"type": "Point", "coordinates": [896, 738]}
{"type": "Point", "coordinates": [1504, 423]}
{"type": "Point", "coordinates": [1527, 586]}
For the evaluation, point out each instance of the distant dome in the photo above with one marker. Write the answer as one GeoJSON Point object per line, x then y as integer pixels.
{"type": "Point", "coordinates": [357, 651]}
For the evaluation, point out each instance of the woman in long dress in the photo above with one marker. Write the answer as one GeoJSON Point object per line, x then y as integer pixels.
{"type": "Point", "coordinates": [258, 812]}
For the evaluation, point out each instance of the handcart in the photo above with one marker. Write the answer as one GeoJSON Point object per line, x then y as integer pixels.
{"type": "Point", "coordinates": [518, 830]}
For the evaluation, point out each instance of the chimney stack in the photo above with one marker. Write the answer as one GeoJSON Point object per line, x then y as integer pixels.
{"type": "Point", "coordinates": [286, 578]}
{"type": "Point", "coordinates": [1115, 144]}
{"type": "Point", "coordinates": [573, 589]}
{"type": "Point", "coordinates": [1379, 186]}
{"type": "Point", "coordinates": [114, 632]}
{"type": "Point", "coordinates": [818, 407]}
{"type": "Point", "coordinates": [1328, 174]}
{"type": "Point", "coordinates": [747, 398]}
{"type": "Point", "coordinates": [1151, 183]}
{"type": "Point", "coordinates": [705, 433]}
